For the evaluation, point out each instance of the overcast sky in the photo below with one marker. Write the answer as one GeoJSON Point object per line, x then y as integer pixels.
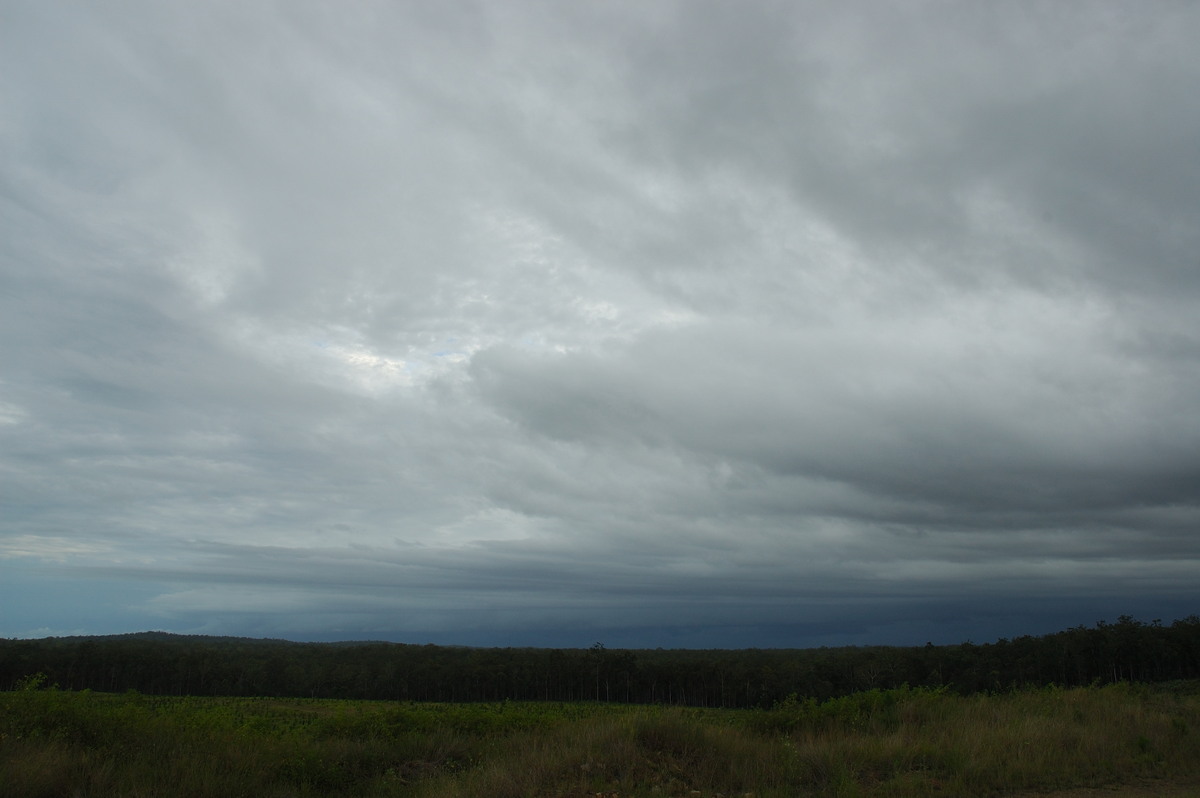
{"type": "Point", "coordinates": [679, 324]}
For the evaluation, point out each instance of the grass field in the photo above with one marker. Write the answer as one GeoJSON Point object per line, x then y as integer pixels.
{"type": "Point", "coordinates": [880, 743]}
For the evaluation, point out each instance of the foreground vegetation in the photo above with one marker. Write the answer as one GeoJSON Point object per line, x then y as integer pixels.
{"type": "Point", "coordinates": [901, 742]}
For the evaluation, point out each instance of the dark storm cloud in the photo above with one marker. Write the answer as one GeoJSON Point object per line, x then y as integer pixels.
{"type": "Point", "coordinates": [891, 414]}
{"type": "Point", "coordinates": [662, 324]}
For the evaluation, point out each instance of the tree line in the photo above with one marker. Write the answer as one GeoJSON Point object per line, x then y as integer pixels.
{"type": "Point", "coordinates": [167, 664]}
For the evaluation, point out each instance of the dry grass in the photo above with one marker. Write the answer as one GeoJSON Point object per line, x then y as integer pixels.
{"type": "Point", "coordinates": [899, 744]}
{"type": "Point", "coordinates": [907, 743]}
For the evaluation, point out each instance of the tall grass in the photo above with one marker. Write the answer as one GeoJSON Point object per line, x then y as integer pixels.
{"type": "Point", "coordinates": [882, 743]}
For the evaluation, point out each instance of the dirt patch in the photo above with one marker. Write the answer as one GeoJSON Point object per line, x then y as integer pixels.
{"type": "Point", "coordinates": [1140, 789]}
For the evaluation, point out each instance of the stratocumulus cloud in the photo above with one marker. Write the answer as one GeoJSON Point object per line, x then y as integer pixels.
{"type": "Point", "coordinates": [650, 323]}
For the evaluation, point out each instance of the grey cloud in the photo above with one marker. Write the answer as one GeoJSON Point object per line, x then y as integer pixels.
{"type": "Point", "coordinates": [673, 323]}
{"type": "Point", "coordinates": [884, 410]}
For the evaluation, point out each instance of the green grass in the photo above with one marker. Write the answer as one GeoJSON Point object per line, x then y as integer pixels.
{"type": "Point", "coordinates": [881, 743]}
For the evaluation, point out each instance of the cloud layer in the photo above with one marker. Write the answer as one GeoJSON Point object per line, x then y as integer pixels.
{"type": "Point", "coordinates": [659, 324]}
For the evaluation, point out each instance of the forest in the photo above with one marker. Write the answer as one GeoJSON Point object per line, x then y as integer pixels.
{"type": "Point", "coordinates": [158, 663]}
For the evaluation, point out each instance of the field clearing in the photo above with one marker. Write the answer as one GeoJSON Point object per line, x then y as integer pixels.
{"type": "Point", "coordinates": [1117, 740]}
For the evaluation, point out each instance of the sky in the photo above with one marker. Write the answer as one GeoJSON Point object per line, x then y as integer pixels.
{"type": "Point", "coordinates": [658, 324]}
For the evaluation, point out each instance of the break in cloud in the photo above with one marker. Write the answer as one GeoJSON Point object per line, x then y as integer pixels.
{"type": "Point", "coordinates": [679, 324]}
